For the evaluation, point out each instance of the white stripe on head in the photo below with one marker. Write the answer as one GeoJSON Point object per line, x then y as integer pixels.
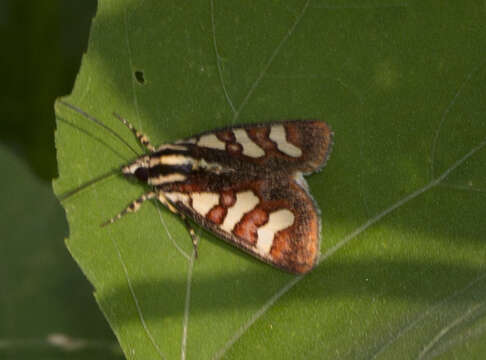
{"type": "Point", "coordinates": [176, 159]}
{"type": "Point", "coordinates": [171, 147]}
{"type": "Point", "coordinates": [162, 179]}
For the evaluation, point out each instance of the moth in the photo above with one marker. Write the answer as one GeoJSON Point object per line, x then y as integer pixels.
{"type": "Point", "coordinates": [243, 183]}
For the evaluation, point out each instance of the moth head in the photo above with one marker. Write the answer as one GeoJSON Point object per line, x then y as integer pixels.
{"type": "Point", "coordinates": [138, 169]}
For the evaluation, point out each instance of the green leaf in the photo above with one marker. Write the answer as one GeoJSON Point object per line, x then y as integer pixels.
{"type": "Point", "coordinates": [402, 272]}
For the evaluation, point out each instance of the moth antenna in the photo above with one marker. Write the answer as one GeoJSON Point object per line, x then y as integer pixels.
{"type": "Point", "coordinates": [96, 121]}
{"type": "Point", "coordinates": [143, 139]}
{"type": "Point", "coordinates": [87, 184]}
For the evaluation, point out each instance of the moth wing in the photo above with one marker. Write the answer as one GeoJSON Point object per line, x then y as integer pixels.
{"type": "Point", "coordinates": [295, 145]}
{"type": "Point", "coordinates": [274, 219]}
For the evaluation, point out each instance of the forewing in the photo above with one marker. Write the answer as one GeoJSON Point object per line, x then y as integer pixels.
{"type": "Point", "coordinates": [289, 146]}
{"type": "Point", "coordinates": [274, 219]}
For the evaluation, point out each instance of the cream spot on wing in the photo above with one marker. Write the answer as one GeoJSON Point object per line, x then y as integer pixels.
{"type": "Point", "coordinates": [162, 179]}
{"type": "Point", "coordinates": [211, 141]}
{"type": "Point", "coordinates": [249, 147]}
{"type": "Point", "coordinates": [178, 197]}
{"type": "Point", "coordinates": [245, 202]}
{"type": "Point", "coordinates": [278, 135]}
{"type": "Point", "coordinates": [299, 179]}
{"type": "Point", "coordinates": [210, 166]}
{"type": "Point", "coordinates": [204, 201]}
{"type": "Point", "coordinates": [278, 220]}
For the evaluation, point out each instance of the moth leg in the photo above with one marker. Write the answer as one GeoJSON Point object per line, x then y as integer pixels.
{"type": "Point", "coordinates": [192, 233]}
{"type": "Point", "coordinates": [195, 239]}
{"type": "Point", "coordinates": [142, 138]}
{"type": "Point", "coordinates": [163, 199]}
{"type": "Point", "coordinates": [133, 207]}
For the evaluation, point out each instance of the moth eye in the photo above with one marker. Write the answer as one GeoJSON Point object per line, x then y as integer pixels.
{"type": "Point", "coordinates": [186, 168]}
{"type": "Point", "coordinates": [142, 174]}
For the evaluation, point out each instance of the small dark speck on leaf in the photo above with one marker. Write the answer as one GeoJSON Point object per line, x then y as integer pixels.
{"type": "Point", "coordinates": [140, 76]}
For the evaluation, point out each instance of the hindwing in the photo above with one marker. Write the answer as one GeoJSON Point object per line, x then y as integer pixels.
{"type": "Point", "coordinates": [272, 218]}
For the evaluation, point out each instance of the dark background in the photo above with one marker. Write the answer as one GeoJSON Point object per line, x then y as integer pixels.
{"type": "Point", "coordinates": [42, 45]}
{"type": "Point", "coordinates": [46, 305]}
